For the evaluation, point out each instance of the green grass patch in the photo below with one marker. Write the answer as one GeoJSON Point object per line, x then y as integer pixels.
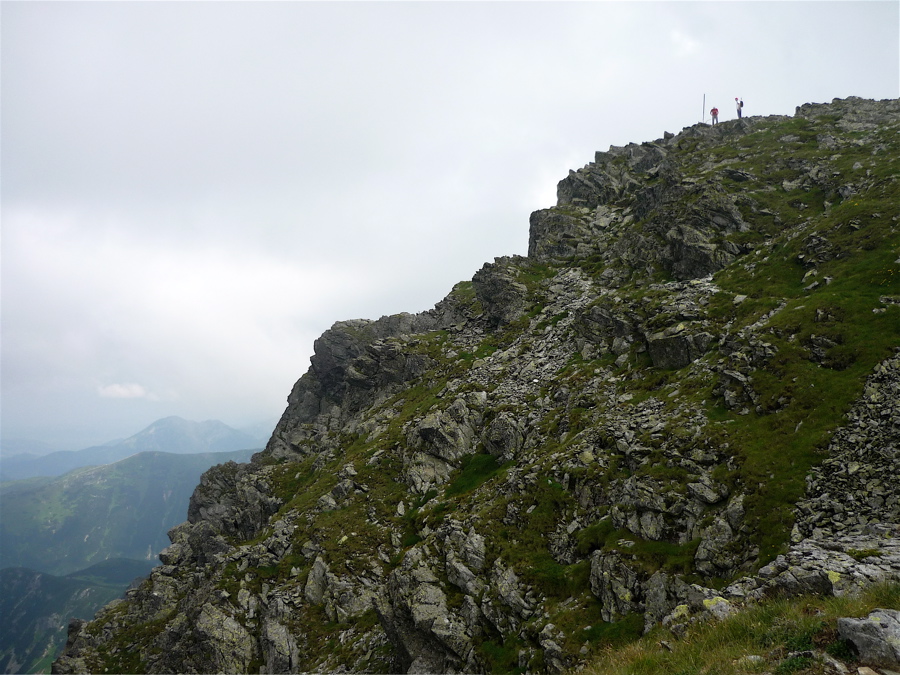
{"type": "Point", "coordinates": [826, 340]}
{"type": "Point", "coordinates": [862, 554]}
{"type": "Point", "coordinates": [501, 656]}
{"type": "Point", "coordinates": [616, 633]}
{"type": "Point", "coordinates": [554, 579]}
{"type": "Point", "coordinates": [595, 536]}
{"type": "Point", "coordinates": [651, 555]}
{"type": "Point", "coordinates": [474, 471]}
{"type": "Point", "coordinates": [769, 631]}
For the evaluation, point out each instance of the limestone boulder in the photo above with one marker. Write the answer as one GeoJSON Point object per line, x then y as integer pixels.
{"type": "Point", "coordinates": [673, 351]}
{"type": "Point", "coordinates": [228, 647]}
{"type": "Point", "coordinates": [503, 437]}
{"type": "Point", "coordinates": [281, 652]}
{"type": "Point", "coordinates": [876, 638]}
{"type": "Point", "coordinates": [437, 444]}
{"type": "Point", "coordinates": [413, 610]}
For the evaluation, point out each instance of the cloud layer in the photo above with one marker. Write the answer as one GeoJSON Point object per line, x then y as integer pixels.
{"type": "Point", "coordinates": [193, 192]}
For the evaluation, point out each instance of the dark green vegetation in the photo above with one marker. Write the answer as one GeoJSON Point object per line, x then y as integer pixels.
{"type": "Point", "coordinates": [121, 510]}
{"type": "Point", "coordinates": [36, 608]}
{"type": "Point", "coordinates": [473, 471]}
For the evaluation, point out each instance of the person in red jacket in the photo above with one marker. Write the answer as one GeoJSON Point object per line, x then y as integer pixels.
{"type": "Point", "coordinates": [715, 115]}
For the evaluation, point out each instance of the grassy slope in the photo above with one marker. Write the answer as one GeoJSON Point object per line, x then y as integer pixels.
{"type": "Point", "coordinates": [864, 236]}
{"type": "Point", "coordinates": [774, 635]}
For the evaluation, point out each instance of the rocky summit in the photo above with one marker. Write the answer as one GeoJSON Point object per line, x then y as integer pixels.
{"type": "Point", "coordinates": [686, 397]}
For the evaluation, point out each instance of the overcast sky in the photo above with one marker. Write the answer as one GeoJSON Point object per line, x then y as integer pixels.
{"type": "Point", "coordinates": [193, 192]}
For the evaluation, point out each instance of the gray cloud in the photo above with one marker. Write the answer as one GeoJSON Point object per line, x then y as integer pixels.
{"type": "Point", "coordinates": [193, 192]}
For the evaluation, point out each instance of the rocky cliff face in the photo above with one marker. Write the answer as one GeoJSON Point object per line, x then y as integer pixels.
{"type": "Point", "coordinates": [691, 382]}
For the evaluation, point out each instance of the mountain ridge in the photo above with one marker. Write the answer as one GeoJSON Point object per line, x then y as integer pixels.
{"type": "Point", "coordinates": [123, 509]}
{"type": "Point", "coordinates": [617, 430]}
{"type": "Point", "coordinates": [53, 528]}
{"type": "Point", "coordinates": [169, 434]}
{"type": "Point", "coordinates": [36, 608]}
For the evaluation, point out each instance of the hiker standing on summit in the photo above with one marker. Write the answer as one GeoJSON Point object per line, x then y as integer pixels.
{"type": "Point", "coordinates": [739, 104]}
{"type": "Point", "coordinates": [715, 115]}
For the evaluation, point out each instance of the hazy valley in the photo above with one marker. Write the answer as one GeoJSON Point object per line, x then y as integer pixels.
{"type": "Point", "coordinates": [71, 543]}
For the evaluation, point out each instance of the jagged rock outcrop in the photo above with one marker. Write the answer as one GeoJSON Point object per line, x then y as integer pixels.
{"type": "Point", "coordinates": [684, 224]}
{"type": "Point", "coordinates": [235, 500]}
{"type": "Point", "coordinates": [440, 440]}
{"type": "Point", "coordinates": [414, 612]}
{"type": "Point", "coordinates": [690, 381]}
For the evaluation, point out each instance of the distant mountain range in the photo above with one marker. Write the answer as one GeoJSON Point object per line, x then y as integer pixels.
{"type": "Point", "coordinates": [122, 510]}
{"type": "Point", "coordinates": [170, 434]}
{"type": "Point", "coordinates": [36, 607]}
{"type": "Point", "coordinates": [24, 446]}
{"type": "Point", "coordinates": [71, 543]}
